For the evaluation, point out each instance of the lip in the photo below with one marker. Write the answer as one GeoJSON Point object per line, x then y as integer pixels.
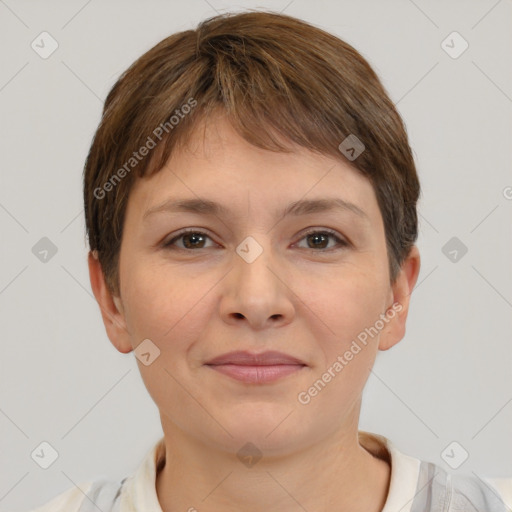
{"type": "Point", "coordinates": [244, 358]}
{"type": "Point", "coordinates": [256, 368]}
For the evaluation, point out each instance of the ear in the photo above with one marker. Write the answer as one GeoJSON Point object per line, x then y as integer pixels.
{"type": "Point", "coordinates": [401, 293]}
{"type": "Point", "coordinates": [110, 306]}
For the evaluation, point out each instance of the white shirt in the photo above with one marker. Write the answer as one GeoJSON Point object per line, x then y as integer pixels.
{"type": "Point", "coordinates": [415, 486]}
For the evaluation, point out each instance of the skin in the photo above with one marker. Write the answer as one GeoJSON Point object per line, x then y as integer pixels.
{"type": "Point", "coordinates": [295, 298]}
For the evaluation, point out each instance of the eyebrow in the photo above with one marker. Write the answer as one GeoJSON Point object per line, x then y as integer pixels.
{"type": "Point", "coordinates": [296, 208]}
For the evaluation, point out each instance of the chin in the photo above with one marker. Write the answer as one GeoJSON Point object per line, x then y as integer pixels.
{"type": "Point", "coordinates": [271, 432]}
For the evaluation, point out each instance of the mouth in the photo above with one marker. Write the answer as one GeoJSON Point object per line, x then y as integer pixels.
{"type": "Point", "coordinates": [257, 374]}
{"type": "Point", "coordinates": [256, 368]}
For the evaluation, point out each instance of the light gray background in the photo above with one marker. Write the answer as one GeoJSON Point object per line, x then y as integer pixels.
{"type": "Point", "coordinates": [61, 379]}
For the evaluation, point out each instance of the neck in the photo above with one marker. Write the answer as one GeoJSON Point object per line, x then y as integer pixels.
{"type": "Point", "coordinates": [334, 474]}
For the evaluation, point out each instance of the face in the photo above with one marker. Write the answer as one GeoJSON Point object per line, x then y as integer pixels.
{"type": "Point", "coordinates": [308, 284]}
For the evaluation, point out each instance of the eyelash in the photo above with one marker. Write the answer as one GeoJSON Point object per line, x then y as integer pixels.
{"type": "Point", "coordinates": [341, 243]}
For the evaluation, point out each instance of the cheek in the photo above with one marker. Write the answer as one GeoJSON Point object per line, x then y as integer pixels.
{"type": "Point", "coordinates": [345, 304]}
{"type": "Point", "coordinates": [161, 303]}
{"type": "Point", "coordinates": [345, 311]}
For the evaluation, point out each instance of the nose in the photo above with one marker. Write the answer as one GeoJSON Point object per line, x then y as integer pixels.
{"type": "Point", "coordinates": [257, 291]}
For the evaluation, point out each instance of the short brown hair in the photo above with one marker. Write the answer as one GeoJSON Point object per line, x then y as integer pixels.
{"type": "Point", "coordinates": [270, 74]}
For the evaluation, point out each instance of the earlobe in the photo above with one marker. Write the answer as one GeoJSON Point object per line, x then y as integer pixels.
{"type": "Point", "coordinates": [110, 306]}
{"type": "Point", "coordinates": [401, 291]}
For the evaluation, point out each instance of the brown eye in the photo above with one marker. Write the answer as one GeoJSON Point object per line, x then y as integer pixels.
{"type": "Point", "coordinates": [194, 239]}
{"type": "Point", "coordinates": [319, 239]}
{"type": "Point", "coordinates": [191, 240]}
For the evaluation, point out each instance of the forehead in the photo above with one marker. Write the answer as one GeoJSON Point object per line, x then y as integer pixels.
{"type": "Point", "coordinates": [220, 171]}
